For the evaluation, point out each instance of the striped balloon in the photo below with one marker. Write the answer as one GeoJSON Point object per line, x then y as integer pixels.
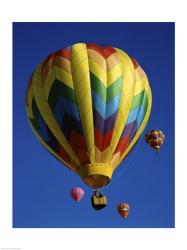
{"type": "Point", "coordinates": [155, 139]}
{"type": "Point", "coordinates": [77, 193]}
{"type": "Point", "coordinates": [88, 105]}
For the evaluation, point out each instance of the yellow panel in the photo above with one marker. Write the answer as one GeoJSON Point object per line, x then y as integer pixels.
{"type": "Point", "coordinates": [105, 155]}
{"type": "Point", "coordinates": [115, 159]}
{"type": "Point", "coordinates": [49, 82]}
{"type": "Point", "coordinates": [29, 112]}
{"type": "Point", "coordinates": [64, 77]}
{"type": "Point", "coordinates": [80, 71]}
{"type": "Point", "coordinates": [97, 155]}
{"type": "Point", "coordinates": [29, 96]}
{"type": "Point", "coordinates": [81, 82]}
{"type": "Point", "coordinates": [98, 71]}
{"type": "Point", "coordinates": [83, 88]}
{"type": "Point", "coordinates": [114, 74]}
{"type": "Point", "coordinates": [139, 73]}
{"type": "Point", "coordinates": [39, 93]}
{"type": "Point", "coordinates": [140, 85]}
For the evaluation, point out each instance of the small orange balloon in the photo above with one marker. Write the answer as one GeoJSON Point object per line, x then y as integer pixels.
{"type": "Point", "coordinates": [123, 209]}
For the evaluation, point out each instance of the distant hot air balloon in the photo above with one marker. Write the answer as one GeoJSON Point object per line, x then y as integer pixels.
{"type": "Point", "coordinates": [155, 139]}
{"type": "Point", "coordinates": [88, 105]}
{"type": "Point", "coordinates": [123, 209]}
{"type": "Point", "coordinates": [77, 193]}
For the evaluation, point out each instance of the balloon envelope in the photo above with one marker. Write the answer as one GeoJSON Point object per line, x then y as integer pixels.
{"type": "Point", "coordinates": [88, 105]}
{"type": "Point", "coordinates": [155, 138]}
{"type": "Point", "coordinates": [77, 193]}
{"type": "Point", "coordinates": [123, 210]}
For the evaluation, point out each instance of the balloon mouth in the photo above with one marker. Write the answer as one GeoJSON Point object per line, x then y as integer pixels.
{"type": "Point", "coordinates": [96, 175]}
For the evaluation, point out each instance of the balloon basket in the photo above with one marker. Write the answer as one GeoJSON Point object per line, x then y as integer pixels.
{"type": "Point", "coordinates": [98, 201]}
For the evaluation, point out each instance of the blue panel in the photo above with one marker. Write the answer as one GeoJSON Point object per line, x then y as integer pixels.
{"type": "Point", "coordinates": [63, 105]}
{"type": "Point", "coordinates": [105, 110]}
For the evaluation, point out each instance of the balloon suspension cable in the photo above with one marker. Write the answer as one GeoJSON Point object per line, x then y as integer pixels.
{"type": "Point", "coordinates": [97, 192]}
{"type": "Point", "coordinates": [127, 165]}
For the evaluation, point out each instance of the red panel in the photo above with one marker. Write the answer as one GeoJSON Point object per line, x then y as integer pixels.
{"type": "Point", "coordinates": [122, 145]}
{"type": "Point", "coordinates": [64, 53]}
{"type": "Point", "coordinates": [63, 154]}
{"type": "Point", "coordinates": [48, 59]}
{"type": "Point", "coordinates": [77, 142]}
{"type": "Point", "coordinates": [104, 51]}
{"type": "Point", "coordinates": [135, 63]}
{"type": "Point", "coordinates": [83, 157]}
{"type": "Point", "coordinates": [102, 142]}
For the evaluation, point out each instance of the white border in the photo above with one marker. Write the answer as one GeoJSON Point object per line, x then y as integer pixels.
{"type": "Point", "coordinates": [34, 239]}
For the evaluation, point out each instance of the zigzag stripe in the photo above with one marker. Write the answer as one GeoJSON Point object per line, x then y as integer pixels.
{"type": "Point", "coordinates": [45, 133]}
{"type": "Point", "coordinates": [138, 112]}
{"type": "Point", "coordinates": [48, 63]}
{"type": "Point", "coordinates": [138, 99]}
{"type": "Point", "coordinates": [60, 89]}
{"type": "Point", "coordinates": [101, 141]}
{"type": "Point", "coordinates": [129, 129]}
{"type": "Point", "coordinates": [105, 99]}
{"type": "Point", "coordinates": [104, 125]}
{"type": "Point", "coordinates": [38, 122]}
{"type": "Point", "coordinates": [134, 121]}
{"type": "Point", "coordinates": [104, 51]}
{"type": "Point", "coordinates": [63, 105]}
{"type": "Point", "coordinates": [69, 124]}
{"type": "Point", "coordinates": [105, 110]}
{"type": "Point", "coordinates": [143, 110]}
{"type": "Point", "coordinates": [106, 94]}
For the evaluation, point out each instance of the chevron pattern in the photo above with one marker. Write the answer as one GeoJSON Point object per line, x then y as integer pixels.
{"type": "Point", "coordinates": [88, 104]}
{"type": "Point", "coordinates": [44, 132]}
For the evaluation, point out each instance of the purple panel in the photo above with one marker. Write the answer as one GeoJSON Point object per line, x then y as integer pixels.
{"type": "Point", "coordinates": [129, 130]}
{"type": "Point", "coordinates": [69, 124]}
{"type": "Point", "coordinates": [104, 126]}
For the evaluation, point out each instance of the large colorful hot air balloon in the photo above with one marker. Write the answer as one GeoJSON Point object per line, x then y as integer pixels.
{"type": "Point", "coordinates": [88, 105]}
{"type": "Point", "coordinates": [77, 193]}
{"type": "Point", "coordinates": [155, 139]}
{"type": "Point", "coordinates": [123, 209]}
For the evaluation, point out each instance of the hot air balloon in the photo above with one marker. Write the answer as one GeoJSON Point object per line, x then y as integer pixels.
{"type": "Point", "coordinates": [155, 139]}
{"type": "Point", "coordinates": [77, 193]}
{"type": "Point", "coordinates": [123, 209]}
{"type": "Point", "coordinates": [88, 106]}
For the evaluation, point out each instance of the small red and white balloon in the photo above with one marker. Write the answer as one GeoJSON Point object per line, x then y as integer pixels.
{"type": "Point", "coordinates": [77, 193]}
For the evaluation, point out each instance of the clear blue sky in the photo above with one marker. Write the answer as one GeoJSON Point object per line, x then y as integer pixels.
{"type": "Point", "coordinates": [41, 185]}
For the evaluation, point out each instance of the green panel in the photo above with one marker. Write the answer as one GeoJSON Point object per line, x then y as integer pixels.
{"type": "Point", "coordinates": [114, 89]}
{"type": "Point", "coordinates": [35, 110]}
{"type": "Point", "coordinates": [34, 124]}
{"type": "Point", "coordinates": [60, 89]}
{"type": "Point", "coordinates": [145, 102]}
{"type": "Point", "coordinates": [98, 86]}
{"type": "Point", "coordinates": [138, 99]}
{"type": "Point", "coordinates": [106, 94]}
